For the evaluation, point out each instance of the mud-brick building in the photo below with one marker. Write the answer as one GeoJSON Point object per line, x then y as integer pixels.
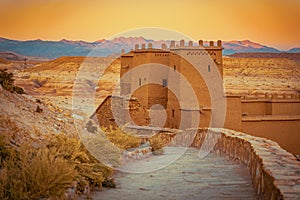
{"type": "Point", "coordinates": [168, 78]}
{"type": "Point", "coordinates": [186, 80]}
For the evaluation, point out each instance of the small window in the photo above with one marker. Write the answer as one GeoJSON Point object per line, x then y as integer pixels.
{"type": "Point", "coordinates": [164, 82]}
{"type": "Point", "coordinates": [208, 68]}
{"type": "Point", "coordinates": [140, 81]}
{"type": "Point", "coordinates": [174, 67]}
{"type": "Point", "coordinates": [173, 113]}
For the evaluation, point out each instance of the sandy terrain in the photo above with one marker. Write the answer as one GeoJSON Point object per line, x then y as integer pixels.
{"type": "Point", "coordinates": [55, 79]}
{"type": "Point", "coordinates": [66, 77]}
{"type": "Point", "coordinates": [262, 75]}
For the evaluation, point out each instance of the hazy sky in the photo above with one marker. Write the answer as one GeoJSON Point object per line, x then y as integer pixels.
{"type": "Point", "coordinates": [271, 22]}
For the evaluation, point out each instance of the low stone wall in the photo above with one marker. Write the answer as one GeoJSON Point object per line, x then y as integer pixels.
{"type": "Point", "coordinates": [275, 172]}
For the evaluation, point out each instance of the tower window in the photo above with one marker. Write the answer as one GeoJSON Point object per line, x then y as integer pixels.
{"type": "Point", "coordinates": [173, 112]}
{"type": "Point", "coordinates": [208, 68]}
{"type": "Point", "coordinates": [164, 82]}
{"type": "Point", "coordinates": [174, 67]}
{"type": "Point", "coordinates": [140, 81]}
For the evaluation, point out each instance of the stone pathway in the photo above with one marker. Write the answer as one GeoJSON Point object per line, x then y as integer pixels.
{"type": "Point", "coordinates": [214, 177]}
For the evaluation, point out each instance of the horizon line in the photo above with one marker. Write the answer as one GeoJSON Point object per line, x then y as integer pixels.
{"type": "Point", "coordinates": [89, 41]}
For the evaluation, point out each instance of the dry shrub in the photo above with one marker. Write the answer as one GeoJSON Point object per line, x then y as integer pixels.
{"type": "Point", "coordinates": [122, 140]}
{"type": "Point", "coordinates": [90, 171]}
{"type": "Point", "coordinates": [7, 82]}
{"type": "Point", "coordinates": [31, 173]}
{"type": "Point", "coordinates": [48, 169]}
{"type": "Point", "coordinates": [157, 143]}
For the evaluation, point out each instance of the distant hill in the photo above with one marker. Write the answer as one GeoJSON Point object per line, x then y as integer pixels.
{"type": "Point", "coordinates": [17, 57]}
{"type": "Point", "coordinates": [55, 49]}
{"type": "Point", "coordinates": [232, 47]}
{"type": "Point", "coordinates": [294, 50]}
{"type": "Point", "coordinates": [291, 56]}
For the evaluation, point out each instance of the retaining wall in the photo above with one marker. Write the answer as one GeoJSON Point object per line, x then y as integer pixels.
{"type": "Point", "coordinates": [274, 171]}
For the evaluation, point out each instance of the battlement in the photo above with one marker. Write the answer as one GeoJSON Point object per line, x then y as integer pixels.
{"type": "Point", "coordinates": [182, 45]}
{"type": "Point", "coordinates": [272, 96]}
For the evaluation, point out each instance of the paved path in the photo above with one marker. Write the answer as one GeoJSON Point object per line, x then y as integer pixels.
{"type": "Point", "coordinates": [189, 177]}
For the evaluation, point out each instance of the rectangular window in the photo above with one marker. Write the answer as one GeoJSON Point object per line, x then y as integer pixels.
{"type": "Point", "coordinates": [140, 81]}
{"type": "Point", "coordinates": [173, 113]}
{"type": "Point", "coordinates": [174, 67]}
{"type": "Point", "coordinates": [164, 82]}
{"type": "Point", "coordinates": [208, 68]}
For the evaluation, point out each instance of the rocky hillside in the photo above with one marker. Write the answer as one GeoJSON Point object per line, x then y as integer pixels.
{"type": "Point", "coordinates": [31, 115]}
{"type": "Point", "coordinates": [55, 79]}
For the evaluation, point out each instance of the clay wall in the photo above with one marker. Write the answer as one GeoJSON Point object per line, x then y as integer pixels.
{"type": "Point", "coordinates": [233, 113]}
{"type": "Point", "coordinates": [277, 119]}
{"type": "Point", "coordinates": [282, 129]}
{"type": "Point", "coordinates": [251, 107]}
{"type": "Point", "coordinates": [271, 107]}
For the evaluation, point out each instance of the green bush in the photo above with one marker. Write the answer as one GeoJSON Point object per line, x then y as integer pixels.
{"type": "Point", "coordinates": [7, 82]}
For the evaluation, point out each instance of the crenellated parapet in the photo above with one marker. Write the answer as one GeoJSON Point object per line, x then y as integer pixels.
{"type": "Point", "coordinates": [271, 96]}
{"type": "Point", "coordinates": [183, 45]}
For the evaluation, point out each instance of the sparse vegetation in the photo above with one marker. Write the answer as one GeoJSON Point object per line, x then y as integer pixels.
{"type": "Point", "coordinates": [126, 141]}
{"type": "Point", "coordinates": [46, 168]}
{"type": "Point", "coordinates": [7, 82]}
{"type": "Point", "coordinates": [31, 173]}
{"type": "Point", "coordinates": [90, 171]}
{"type": "Point", "coordinates": [122, 140]}
{"type": "Point", "coordinates": [157, 143]}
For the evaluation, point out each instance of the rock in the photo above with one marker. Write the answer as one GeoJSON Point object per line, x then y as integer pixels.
{"type": "Point", "coordinates": [158, 152]}
{"type": "Point", "coordinates": [38, 109]}
{"type": "Point", "coordinates": [75, 116]}
{"type": "Point", "coordinates": [110, 183]}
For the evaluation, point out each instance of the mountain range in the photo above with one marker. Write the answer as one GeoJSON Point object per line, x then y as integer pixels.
{"type": "Point", "coordinates": [54, 49]}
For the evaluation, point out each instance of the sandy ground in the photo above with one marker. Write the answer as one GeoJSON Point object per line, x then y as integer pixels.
{"type": "Point", "coordinates": [73, 80]}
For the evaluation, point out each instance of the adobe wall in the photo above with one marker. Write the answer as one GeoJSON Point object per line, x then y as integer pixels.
{"type": "Point", "coordinates": [233, 118]}
{"type": "Point", "coordinates": [119, 115]}
{"type": "Point", "coordinates": [257, 107]}
{"type": "Point", "coordinates": [286, 107]}
{"type": "Point", "coordinates": [276, 106]}
{"type": "Point", "coordinates": [274, 117]}
{"type": "Point", "coordinates": [282, 129]}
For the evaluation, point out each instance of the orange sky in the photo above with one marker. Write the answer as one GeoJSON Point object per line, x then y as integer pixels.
{"type": "Point", "coordinates": [271, 22]}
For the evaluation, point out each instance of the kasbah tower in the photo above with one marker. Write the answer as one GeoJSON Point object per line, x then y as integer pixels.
{"type": "Point", "coordinates": [160, 81]}
{"type": "Point", "coordinates": [166, 77]}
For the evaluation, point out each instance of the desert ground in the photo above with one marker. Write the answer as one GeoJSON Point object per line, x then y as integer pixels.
{"type": "Point", "coordinates": [54, 80]}
{"type": "Point", "coordinates": [69, 89]}
{"type": "Point", "coordinates": [81, 84]}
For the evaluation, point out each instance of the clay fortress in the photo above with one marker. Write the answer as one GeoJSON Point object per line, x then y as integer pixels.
{"type": "Point", "coordinates": [274, 116]}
